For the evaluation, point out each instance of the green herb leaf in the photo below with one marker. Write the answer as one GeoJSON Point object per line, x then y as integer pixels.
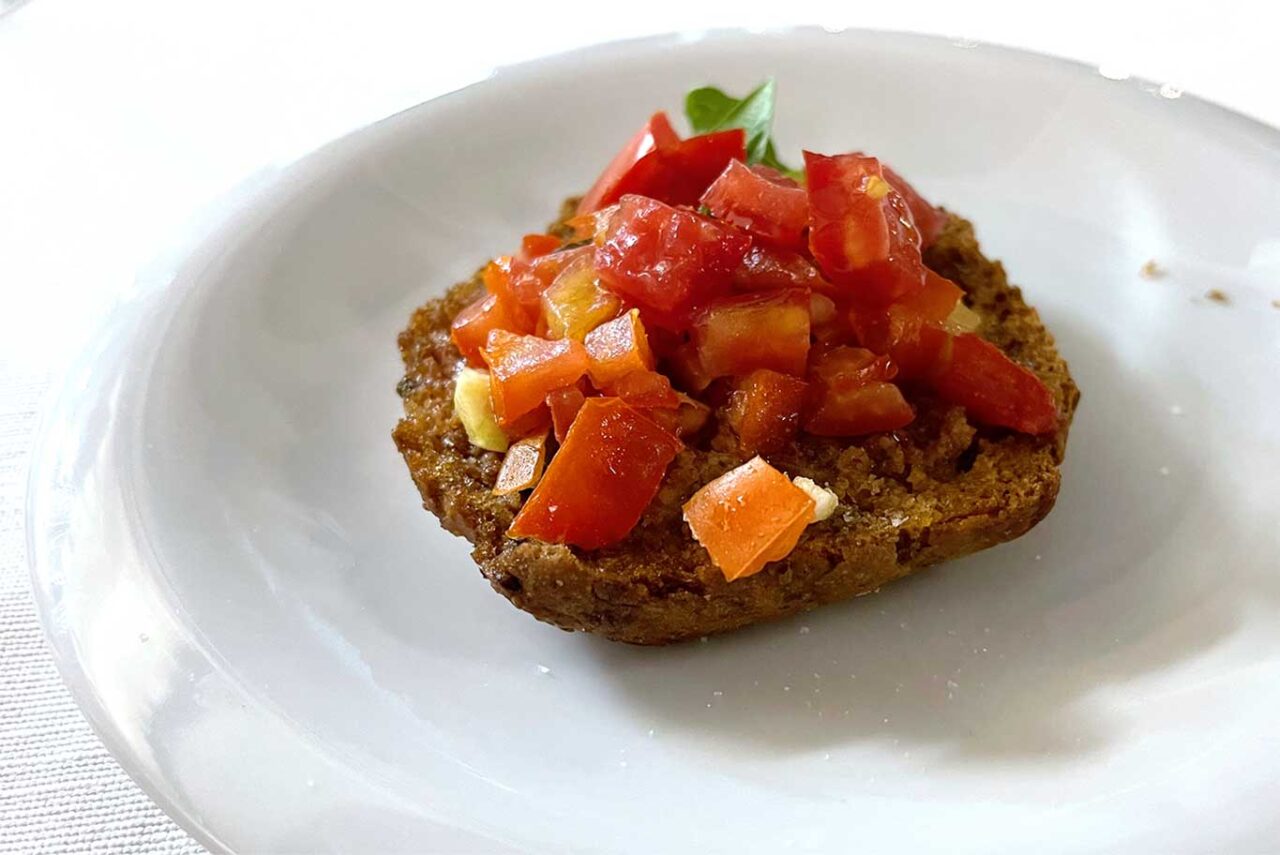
{"type": "Point", "coordinates": [710, 109]}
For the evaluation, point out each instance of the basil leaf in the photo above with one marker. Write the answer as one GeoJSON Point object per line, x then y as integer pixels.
{"type": "Point", "coordinates": [710, 109]}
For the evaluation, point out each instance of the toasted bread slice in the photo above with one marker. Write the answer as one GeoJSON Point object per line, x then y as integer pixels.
{"type": "Point", "coordinates": [939, 489]}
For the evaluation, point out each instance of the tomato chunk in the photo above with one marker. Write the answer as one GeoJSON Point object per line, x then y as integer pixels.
{"type": "Point", "coordinates": [688, 417]}
{"type": "Point", "coordinates": [667, 261]}
{"type": "Point", "coordinates": [765, 409]}
{"type": "Point", "coordinates": [656, 133]}
{"type": "Point", "coordinates": [748, 517]}
{"type": "Point", "coordinates": [762, 201]}
{"type": "Point", "coordinates": [524, 369]}
{"type": "Point", "coordinates": [914, 332]}
{"type": "Point", "coordinates": [519, 284]}
{"type": "Point", "coordinates": [618, 348]}
{"type": "Point", "coordinates": [737, 335]}
{"type": "Point", "coordinates": [684, 366]}
{"type": "Point", "coordinates": [522, 465]}
{"type": "Point", "coordinates": [603, 477]}
{"type": "Point", "coordinates": [993, 388]}
{"type": "Point", "coordinates": [929, 220]}
{"type": "Point", "coordinates": [860, 230]}
{"type": "Point", "coordinates": [564, 405]}
{"type": "Point", "coordinates": [644, 389]}
{"type": "Point", "coordinates": [470, 329]}
{"type": "Point", "coordinates": [826, 322]}
{"type": "Point", "coordinates": [850, 394]}
{"type": "Point", "coordinates": [680, 174]}
{"type": "Point", "coordinates": [766, 268]}
{"type": "Point", "coordinates": [575, 303]}
{"type": "Point", "coordinates": [535, 245]}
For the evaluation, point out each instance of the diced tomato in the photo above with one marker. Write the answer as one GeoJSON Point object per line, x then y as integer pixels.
{"type": "Point", "coordinates": [929, 220]}
{"type": "Point", "coordinates": [761, 200]}
{"type": "Point", "coordinates": [520, 284]}
{"type": "Point", "coordinates": [913, 332]}
{"type": "Point", "coordinates": [591, 226]}
{"type": "Point", "coordinates": [689, 416]}
{"type": "Point", "coordinates": [765, 409]}
{"type": "Point", "coordinates": [826, 322]}
{"type": "Point", "coordinates": [564, 405]}
{"type": "Point", "coordinates": [766, 268]}
{"type": "Point", "coordinates": [881, 327]}
{"type": "Point", "coordinates": [737, 335]}
{"type": "Point", "coordinates": [603, 477]}
{"type": "Point", "coordinates": [537, 420]}
{"type": "Point", "coordinates": [860, 231]}
{"type": "Point", "coordinates": [680, 174]}
{"type": "Point", "coordinates": [524, 369]}
{"type": "Point", "coordinates": [522, 465]}
{"type": "Point", "coordinates": [684, 366]}
{"type": "Point", "coordinates": [575, 303]}
{"type": "Point", "coordinates": [748, 517]}
{"type": "Point", "coordinates": [645, 390]}
{"type": "Point", "coordinates": [849, 394]}
{"type": "Point", "coordinates": [656, 133]}
{"type": "Point", "coordinates": [993, 388]}
{"type": "Point", "coordinates": [618, 348]}
{"type": "Point", "coordinates": [667, 261]}
{"type": "Point", "coordinates": [936, 300]}
{"type": "Point", "coordinates": [471, 327]}
{"type": "Point", "coordinates": [535, 245]}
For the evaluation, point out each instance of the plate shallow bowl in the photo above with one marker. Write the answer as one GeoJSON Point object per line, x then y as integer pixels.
{"type": "Point", "coordinates": [278, 643]}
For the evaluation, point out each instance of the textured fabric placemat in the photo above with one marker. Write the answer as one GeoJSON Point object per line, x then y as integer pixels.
{"type": "Point", "coordinates": [60, 791]}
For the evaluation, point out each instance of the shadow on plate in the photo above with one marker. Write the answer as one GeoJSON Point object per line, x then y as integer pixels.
{"type": "Point", "coordinates": [998, 654]}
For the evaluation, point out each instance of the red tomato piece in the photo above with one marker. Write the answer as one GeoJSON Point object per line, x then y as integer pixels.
{"type": "Point", "coordinates": [748, 517]}
{"type": "Point", "coordinates": [591, 226]}
{"type": "Point", "coordinates": [993, 388]}
{"type": "Point", "coordinates": [912, 332]}
{"type": "Point", "coordinates": [645, 390]}
{"type": "Point", "coordinates": [766, 268]}
{"type": "Point", "coordinates": [765, 409]}
{"type": "Point", "coordinates": [575, 303]}
{"type": "Point", "coordinates": [524, 369]}
{"type": "Point", "coordinates": [688, 417]}
{"type": "Point", "coordinates": [617, 348]}
{"type": "Point", "coordinates": [737, 335]}
{"type": "Point", "coordinates": [519, 284]}
{"type": "Point", "coordinates": [471, 327]}
{"type": "Point", "coordinates": [600, 481]}
{"type": "Point", "coordinates": [850, 394]}
{"type": "Point", "coordinates": [826, 322]}
{"type": "Point", "coordinates": [929, 220]}
{"type": "Point", "coordinates": [860, 231]}
{"type": "Point", "coordinates": [656, 133]}
{"type": "Point", "coordinates": [535, 245]}
{"type": "Point", "coordinates": [681, 173]}
{"type": "Point", "coordinates": [762, 201]}
{"type": "Point", "coordinates": [522, 465]}
{"type": "Point", "coordinates": [667, 261]}
{"type": "Point", "coordinates": [684, 366]}
{"type": "Point", "coordinates": [564, 405]}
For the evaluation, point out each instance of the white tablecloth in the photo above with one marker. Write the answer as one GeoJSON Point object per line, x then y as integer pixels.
{"type": "Point", "coordinates": [120, 123]}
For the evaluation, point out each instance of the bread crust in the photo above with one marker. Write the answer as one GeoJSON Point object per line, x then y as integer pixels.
{"type": "Point", "coordinates": [939, 489]}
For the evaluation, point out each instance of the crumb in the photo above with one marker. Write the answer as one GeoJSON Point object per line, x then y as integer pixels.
{"type": "Point", "coordinates": [1275, 304]}
{"type": "Point", "coordinates": [1217, 295]}
{"type": "Point", "coordinates": [1151, 270]}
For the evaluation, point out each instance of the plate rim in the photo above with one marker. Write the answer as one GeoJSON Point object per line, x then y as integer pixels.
{"type": "Point", "coordinates": [236, 201]}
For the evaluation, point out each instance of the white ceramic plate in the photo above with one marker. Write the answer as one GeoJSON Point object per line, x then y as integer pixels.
{"type": "Point", "coordinates": [291, 655]}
